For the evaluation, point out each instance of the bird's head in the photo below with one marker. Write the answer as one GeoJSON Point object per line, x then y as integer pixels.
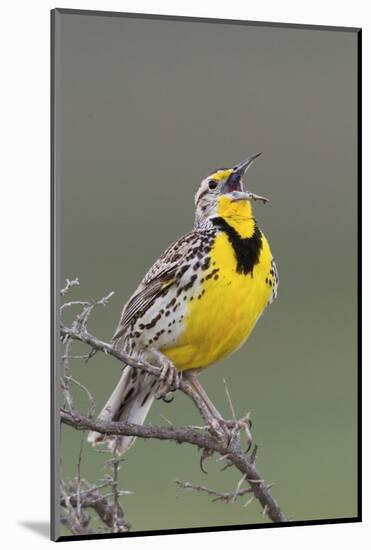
{"type": "Point", "coordinates": [222, 194]}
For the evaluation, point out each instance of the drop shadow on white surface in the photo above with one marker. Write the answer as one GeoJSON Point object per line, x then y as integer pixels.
{"type": "Point", "coordinates": [42, 528]}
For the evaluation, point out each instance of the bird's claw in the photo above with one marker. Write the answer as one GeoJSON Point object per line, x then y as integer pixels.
{"type": "Point", "coordinates": [226, 429]}
{"type": "Point", "coordinates": [169, 380]}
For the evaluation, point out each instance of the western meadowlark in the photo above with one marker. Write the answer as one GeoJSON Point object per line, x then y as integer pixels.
{"type": "Point", "coordinates": [198, 303]}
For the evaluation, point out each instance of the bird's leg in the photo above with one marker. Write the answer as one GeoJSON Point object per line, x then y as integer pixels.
{"type": "Point", "coordinates": [195, 384]}
{"type": "Point", "coordinates": [208, 409]}
{"type": "Point", "coordinates": [217, 419]}
{"type": "Point", "coordinates": [169, 377]}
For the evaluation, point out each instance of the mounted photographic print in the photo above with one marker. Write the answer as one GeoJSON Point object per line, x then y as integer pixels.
{"type": "Point", "coordinates": [205, 193]}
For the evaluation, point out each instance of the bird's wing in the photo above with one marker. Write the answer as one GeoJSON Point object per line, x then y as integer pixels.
{"type": "Point", "coordinates": [275, 281]}
{"type": "Point", "coordinates": [164, 273]}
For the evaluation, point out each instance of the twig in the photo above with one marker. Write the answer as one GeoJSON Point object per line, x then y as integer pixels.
{"type": "Point", "coordinates": [226, 497]}
{"type": "Point", "coordinates": [99, 345]}
{"type": "Point", "coordinates": [78, 480]}
{"type": "Point", "coordinates": [74, 303]}
{"type": "Point", "coordinates": [66, 378]}
{"type": "Point", "coordinates": [75, 356]}
{"type": "Point", "coordinates": [85, 389]}
{"type": "Point", "coordinates": [81, 320]}
{"type": "Point", "coordinates": [229, 398]}
{"type": "Point", "coordinates": [238, 488]}
{"type": "Point", "coordinates": [69, 284]}
{"type": "Point", "coordinates": [116, 494]}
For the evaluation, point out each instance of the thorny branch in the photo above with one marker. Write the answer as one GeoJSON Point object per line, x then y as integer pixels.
{"type": "Point", "coordinates": [78, 500]}
{"type": "Point", "coordinates": [226, 497]}
{"type": "Point", "coordinates": [206, 438]}
{"type": "Point", "coordinates": [69, 285]}
{"type": "Point", "coordinates": [79, 497]}
{"type": "Point", "coordinates": [202, 439]}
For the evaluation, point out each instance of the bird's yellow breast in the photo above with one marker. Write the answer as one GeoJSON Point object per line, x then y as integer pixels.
{"type": "Point", "coordinates": [225, 307]}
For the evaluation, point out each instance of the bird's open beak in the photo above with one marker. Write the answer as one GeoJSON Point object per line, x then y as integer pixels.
{"type": "Point", "coordinates": [241, 168]}
{"type": "Point", "coordinates": [234, 182]}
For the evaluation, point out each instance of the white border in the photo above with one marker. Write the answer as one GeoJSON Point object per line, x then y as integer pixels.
{"type": "Point", "coordinates": [25, 265]}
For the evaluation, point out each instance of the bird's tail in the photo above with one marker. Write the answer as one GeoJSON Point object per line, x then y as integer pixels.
{"type": "Point", "coordinates": [130, 402]}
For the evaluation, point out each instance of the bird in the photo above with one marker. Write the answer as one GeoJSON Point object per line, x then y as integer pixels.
{"type": "Point", "coordinates": [197, 304]}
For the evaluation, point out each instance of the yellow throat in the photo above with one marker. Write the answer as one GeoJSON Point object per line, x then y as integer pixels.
{"type": "Point", "coordinates": [231, 296]}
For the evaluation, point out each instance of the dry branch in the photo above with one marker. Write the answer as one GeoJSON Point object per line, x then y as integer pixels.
{"type": "Point", "coordinates": [77, 502]}
{"type": "Point", "coordinates": [209, 439]}
{"type": "Point", "coordinates": [202, 439]}
{"type": "Point", "coordinates": [69, 285]}
{"type": "Point", "coordinates": [225, 497]}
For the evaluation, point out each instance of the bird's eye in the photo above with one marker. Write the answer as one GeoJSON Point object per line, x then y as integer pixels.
{"type": "Point", "coordinates": [213, 184]}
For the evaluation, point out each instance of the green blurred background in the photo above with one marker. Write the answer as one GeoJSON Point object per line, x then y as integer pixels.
{"type": "Point", "coordinates": [146, 109]}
